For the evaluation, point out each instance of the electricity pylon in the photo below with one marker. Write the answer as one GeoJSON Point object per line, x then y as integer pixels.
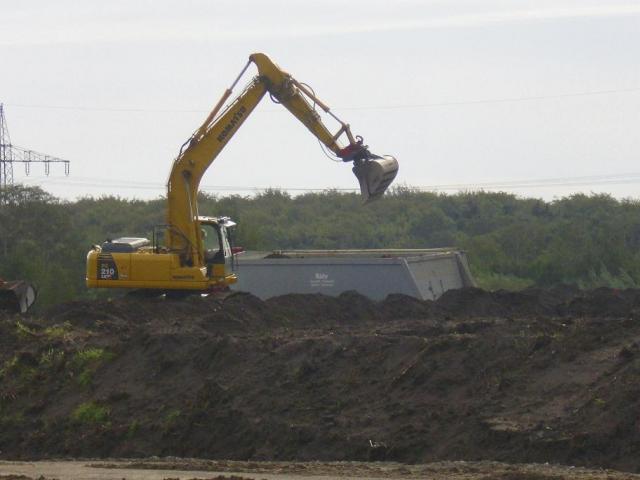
{"type": "Point", "coordinates": [10, 154]}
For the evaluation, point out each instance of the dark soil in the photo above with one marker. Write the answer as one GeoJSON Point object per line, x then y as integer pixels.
{"type": "Point", "coordinates": [534, 376]}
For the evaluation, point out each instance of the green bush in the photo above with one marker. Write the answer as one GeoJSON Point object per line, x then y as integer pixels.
{"type": "Point", "coordinates": [91, 413]}
{"type": "Point", "coordinates": [511, 242]}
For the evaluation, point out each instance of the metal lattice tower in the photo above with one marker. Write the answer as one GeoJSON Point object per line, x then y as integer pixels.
{"type": "Point", "coordinates": [10, 154]}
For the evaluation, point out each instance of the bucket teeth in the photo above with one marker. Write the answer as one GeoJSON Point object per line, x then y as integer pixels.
{"type": "Point", "coordinates": [375, 176]}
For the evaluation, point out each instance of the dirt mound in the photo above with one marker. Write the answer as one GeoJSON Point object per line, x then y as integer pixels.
{"type": "Point", "coordinates": [474, 302]}
{"type": "Point", "coordinates": [538, 375]}
{"type": "Point", "coordinates": [606, 302]}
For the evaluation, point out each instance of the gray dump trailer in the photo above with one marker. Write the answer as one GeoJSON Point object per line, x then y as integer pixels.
{"type": "Point", "coordinates": [422, 273]}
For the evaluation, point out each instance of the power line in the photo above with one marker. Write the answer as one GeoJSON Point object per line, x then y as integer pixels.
{"type": "Point", "coordinates": [499, 100]}
{"type": "Point", "coordinates": [364, 107]}
{"type": "Point", "coordinates": [541, 182]}
{"type": "Point", "coordinates": [125, 184]}
{"type": "Point", "coordinates": [577, 181]}
{"type": "Point", "coordinates": [105, 109]}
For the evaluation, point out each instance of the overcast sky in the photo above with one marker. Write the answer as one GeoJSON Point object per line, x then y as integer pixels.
{"type": "Point", "coordinates": [465, 93]}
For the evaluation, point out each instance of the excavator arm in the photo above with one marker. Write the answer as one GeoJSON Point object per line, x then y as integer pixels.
{"type": "Point", "coordinates": [374, 173]}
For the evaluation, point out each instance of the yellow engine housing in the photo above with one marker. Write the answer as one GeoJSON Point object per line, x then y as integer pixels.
{"type": "Point", "coordinates": [149, 270]}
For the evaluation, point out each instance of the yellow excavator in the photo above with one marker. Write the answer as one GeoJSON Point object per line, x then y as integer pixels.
{"type": "Point", "coordinates": [193, 253]}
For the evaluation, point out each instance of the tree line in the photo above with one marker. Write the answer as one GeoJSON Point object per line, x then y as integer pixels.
{"type": "Point", "coordinates": [511, 242]}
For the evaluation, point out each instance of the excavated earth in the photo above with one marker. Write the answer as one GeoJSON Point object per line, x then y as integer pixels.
{"type": "Point", "coordinates": [534, 376]}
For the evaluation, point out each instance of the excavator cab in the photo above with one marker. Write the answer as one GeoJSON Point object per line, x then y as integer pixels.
{"type": "Point", "coordinates": [375, 175]}
{"type": "Point", "coordinates": [216, 241]}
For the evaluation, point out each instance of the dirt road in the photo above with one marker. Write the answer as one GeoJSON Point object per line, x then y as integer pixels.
{"type": "Point", "coordinates": [156, 469]}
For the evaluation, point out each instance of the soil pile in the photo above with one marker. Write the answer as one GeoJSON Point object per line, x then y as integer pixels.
{"type": "Point", "coordinates": [533, 376]}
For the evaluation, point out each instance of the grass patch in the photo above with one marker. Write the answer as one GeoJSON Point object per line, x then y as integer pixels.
{"type": "Point", "coordinates": [23, 331]}
{"type": "Point", "coordinates": [134, 428]}
{"type": "Point", "coordinates": [86, 362]}
{"type": "Point", "coordinates": [17, 370]}
{"type": "Point", "coordinates": [171, 419]}
{"type": "Point", "coordinates": [497, 281]}
{"type": "Point", "coordinates": [51, 357]}
{"type": "Point", "coordinates": [91, 356]}
{"type": "Point", "coordinates": [599, 402]}
{"type": "Point", "coordinates": [9, 366]}
{"type": "Point", "coordinates": [91, 413]}
{"type": "Point", "coordinates": [85, 378]}
{"type": "Point", "coordinates": [57, 331]}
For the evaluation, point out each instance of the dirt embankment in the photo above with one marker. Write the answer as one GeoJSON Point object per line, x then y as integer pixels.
{"type": "Point", "coordinates": [536, 376]}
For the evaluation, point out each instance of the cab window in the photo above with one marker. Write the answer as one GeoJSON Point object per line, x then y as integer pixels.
{"type": "Point", "coordinates": [210, 239]}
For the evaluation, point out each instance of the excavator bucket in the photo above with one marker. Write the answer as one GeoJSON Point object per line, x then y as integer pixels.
{"type": "Point", "coordinates": [16, 296]}
{"type": "Point", "coordinates": [375, 176]}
